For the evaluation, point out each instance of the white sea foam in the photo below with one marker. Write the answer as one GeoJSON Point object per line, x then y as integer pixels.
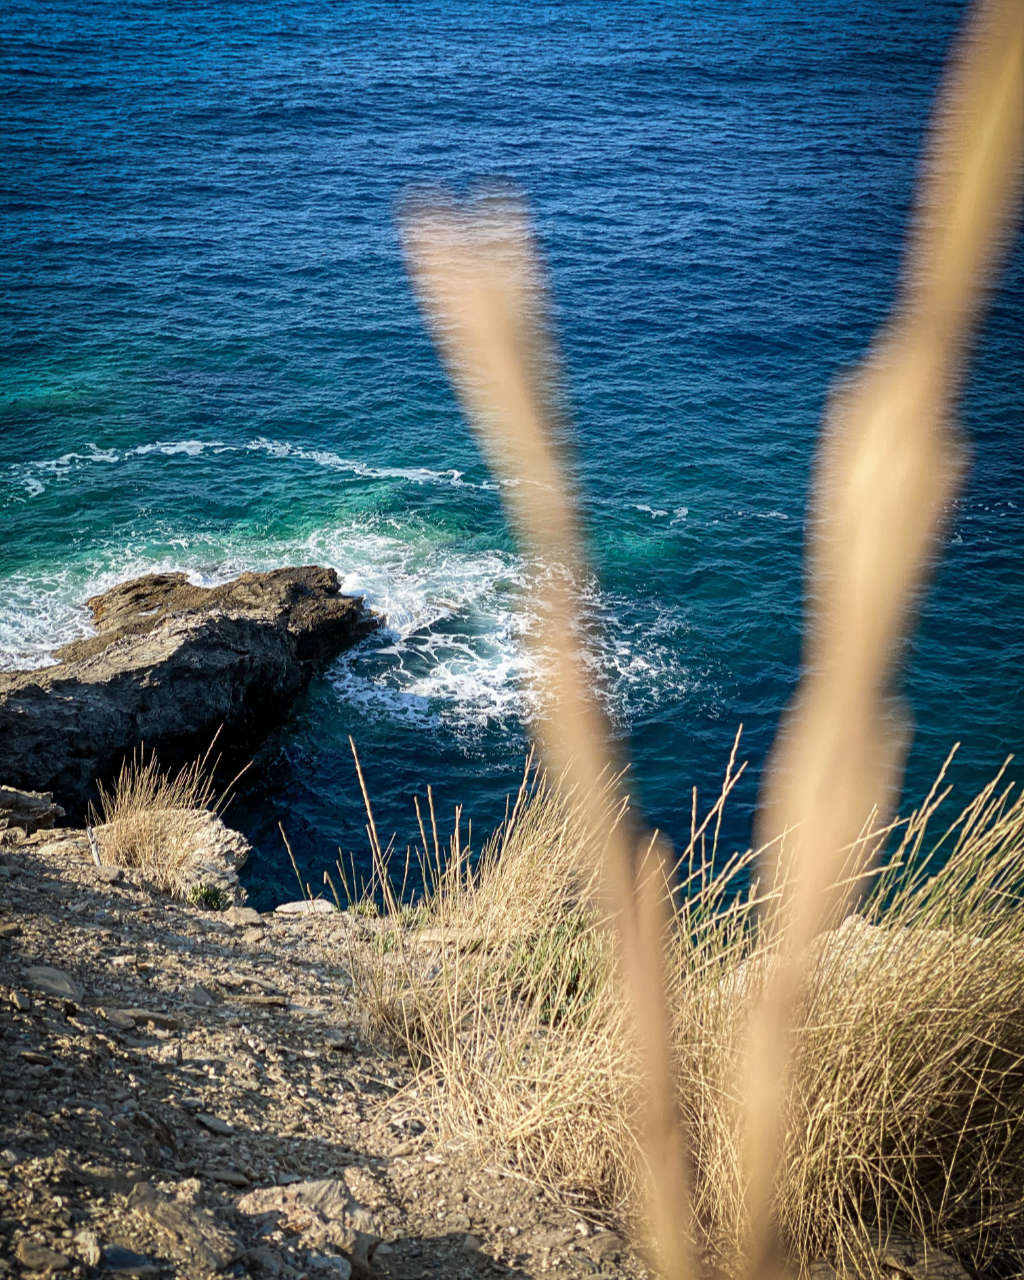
{"type": "Point", "coordinates": [453, 629]}
{"type": "Point", "coordinates": [33, 478]}
{"type": "Point", "coordinates": [458, 618]}
{"type": "Point", "coordinates": [169, 448]}
{"type": "Point", "coordinates": [457, 621]}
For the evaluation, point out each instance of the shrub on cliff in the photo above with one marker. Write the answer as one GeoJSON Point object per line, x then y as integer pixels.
{"type": "Point", "coordinates": [905, 1110]}
{"type": "Point", "coordinates": [157, 823]}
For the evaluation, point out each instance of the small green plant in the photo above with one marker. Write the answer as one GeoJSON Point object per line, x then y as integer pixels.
{"type": "Point", "coordinates": [561, 968]}
{"type": "Point", "coordinates": [385, 942]}
{"type": "Point", "coordinates": [412, 917]}
{"type": "Point", "coordinates": [211, 897]}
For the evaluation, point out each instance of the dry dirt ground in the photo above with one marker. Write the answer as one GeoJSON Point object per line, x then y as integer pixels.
{"type": "Point", "coordinates": [189, 1093]}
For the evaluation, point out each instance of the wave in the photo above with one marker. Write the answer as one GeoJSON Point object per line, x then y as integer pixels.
{"type": "Point", "coordinates": [455, 647]}
{"type": "Point", "coordinates": [34, 477]}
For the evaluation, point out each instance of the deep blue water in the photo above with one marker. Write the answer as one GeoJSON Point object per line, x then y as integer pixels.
{"type": "Point", "coordinates": [211, 359]}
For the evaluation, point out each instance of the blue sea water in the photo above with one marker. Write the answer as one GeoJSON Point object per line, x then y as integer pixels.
{"type": "Point", "coordinates": [211, 360]}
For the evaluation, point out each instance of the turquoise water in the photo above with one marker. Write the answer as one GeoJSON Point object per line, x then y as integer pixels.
{"type": "Point", "coordinates": [211, 360]}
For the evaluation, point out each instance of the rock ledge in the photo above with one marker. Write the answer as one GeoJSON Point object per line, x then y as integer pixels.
{"type": "Point", "coordinates": [170, 664]}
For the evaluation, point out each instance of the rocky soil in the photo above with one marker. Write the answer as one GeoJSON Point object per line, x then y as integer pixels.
{"type": "Point", "coordinates": [170, 665]}
{"type": "Point", "coordinates": [189, 1094]}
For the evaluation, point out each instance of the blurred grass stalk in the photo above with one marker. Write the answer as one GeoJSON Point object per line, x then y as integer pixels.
{"type": "Point", "coordinates": [888, 466]}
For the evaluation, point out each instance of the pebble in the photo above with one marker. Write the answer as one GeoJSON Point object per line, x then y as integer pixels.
{"type": "Point", "coordinates": [164, 1021]}
{"type": "Point", "coordinates": [125, 1262]}
{"type": "Point", "coordinates": [240, 915]}
{"type": "Point", "coordinates": [54, 982]}
{"type": "Point", "coordinates": [233, 1177]}
{"type": "Point", "coordinates": [120, 1019]}
{"type": "Point", "coordinates": [330, 1265]}
{"type": "Point", "coordinates": [215, 1124]}
{"type": "Point", "coordinates": [21, 1001]}
{"type": "Point", "coordinates": [37, 1257]}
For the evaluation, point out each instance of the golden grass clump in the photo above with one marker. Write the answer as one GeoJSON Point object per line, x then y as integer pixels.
{"type": "Point", "coordinates": [904, 1108]}
{"type": "Point", "coordinates": [751, 1087]}
{"type": "Point", "coordinates": [750, 1078]}
{"type": "Point", "coordinates": [150, 819]}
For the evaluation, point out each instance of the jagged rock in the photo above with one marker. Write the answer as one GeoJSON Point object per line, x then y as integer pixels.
{"type": "Point", "coordinates": [241, 916]}
{"type": "Point", "coordinates": [916, 1260]}
{"type": "Point", "coordinates": [54, 982]}
{"type": "Point", "coordinates": [326, 1264]}
{"type": "Point", "coordinates": [306, 907]}
{"type": "Point", "coordinates": [170, 664]}
{"type": "Point", "coordinates": [165, 1021]}
{"type": "Point", "coordinates": [126, 1262]}
{"type": "Point", "coordinates": [215, 1124]}
{"type": "Point", "coordinates": [322, 1211]}
{"type": "Point", "coordinates": [88, 1245]}
{"type": "Point", "coordinates": [191, 1236]}
{"type": "Point", "coordinates": [28, 810]}
{"type": "Point", "coordinates": [37, 1257]}
{"type": "Point", "coordinates": [266, 1260]}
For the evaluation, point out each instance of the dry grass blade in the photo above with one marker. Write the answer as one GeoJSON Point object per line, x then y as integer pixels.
{"type": "Point", "coordinates": [888, 466]}
{"type": "Point", "coordinates": [478, 277]}
{"type": "Point", "coordinates": [824, 1100]}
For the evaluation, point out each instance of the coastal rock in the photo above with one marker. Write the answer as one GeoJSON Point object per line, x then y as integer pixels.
{"type": "Point", "coordinates": [191, 1236]}
{"type": "Point", "coordinates": [169, 665]}
{"type": "Point", "coordinates": [30, 811]}
{"type": "Point", "coordinates": [322, 1211]}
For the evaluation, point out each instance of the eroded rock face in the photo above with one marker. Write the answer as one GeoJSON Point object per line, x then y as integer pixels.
{"type": "Point", "coordinates": [27, 811]}
{"type": "Point", "coordinates": [170, 664]}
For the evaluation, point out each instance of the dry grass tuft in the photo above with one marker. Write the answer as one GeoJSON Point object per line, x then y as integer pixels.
{"type": "Point", "coordinates": [150, 818]}
{"type": "Point", "coordinates": [747, 1084]}
{"type": "Point", "coordinates": [904, 1111]}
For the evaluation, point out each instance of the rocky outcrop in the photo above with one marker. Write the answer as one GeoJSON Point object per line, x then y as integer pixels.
{"type": "Point", "coordinates": [169, 665]}
{"type": "Point", "coordinates": [194, 1095]}
{"type": "Point", "coordinates": [27, 811]}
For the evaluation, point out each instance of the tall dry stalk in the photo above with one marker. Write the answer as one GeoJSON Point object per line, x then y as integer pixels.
{"type": "Point", "coordinates": [887, 468]}
{"type": "Point", "coordinates": [888, 465]}
{"type": "Point", "coordinates": [480, 282]}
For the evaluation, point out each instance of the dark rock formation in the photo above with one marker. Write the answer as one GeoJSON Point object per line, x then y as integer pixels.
{"type": "Point", "coordinates": [172, 663]}
{"type": "Point", "coordinates": [27, 811]}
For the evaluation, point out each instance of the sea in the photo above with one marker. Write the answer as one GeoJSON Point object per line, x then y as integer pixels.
{"type": "Point", "coordinates": [211, 360]}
